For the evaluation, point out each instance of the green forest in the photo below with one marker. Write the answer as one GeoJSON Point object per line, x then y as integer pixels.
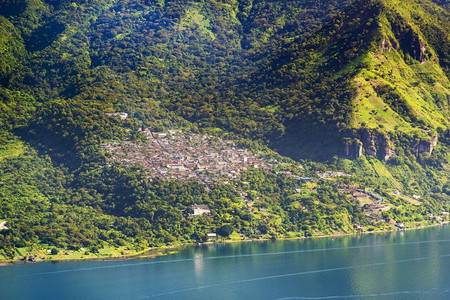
{"type": "Point", "coordinates": [347, 101]}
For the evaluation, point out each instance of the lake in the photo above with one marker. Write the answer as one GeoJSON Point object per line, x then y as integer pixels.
{"type": "Point", "coordinates": [399, 265]}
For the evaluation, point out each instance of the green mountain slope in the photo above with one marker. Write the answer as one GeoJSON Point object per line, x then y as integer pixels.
{"type": "Point", "coordinates": [406, 75]}
{"type": "Point", "coordinates": [350, 76]}
{"type": "Point", "coordinates": [343, 105]}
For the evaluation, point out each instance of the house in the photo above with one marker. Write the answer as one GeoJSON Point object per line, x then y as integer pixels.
{"type": "Point", "coordinates": [122, 116]}
{"type": "Point", "coordinates": [306, 178]}
{"type": "Point", "coordinates": [3, 226]}
{"type": "Point", "coordinates": [359, 195]}
{"type": "Point", "coordinates": [437, 218]}
{"type": "Point", "coordinates": [211, 236]}
{"type": "Point", "coordinates": [200, 210]}
{"type": "Point", "coordinates": [400, 225]}
{"type": "Point", "coordinates": [175, 166]}
{"type": "Point", "coordinates": [174, 132]}
{"type": "Point", "coordinates": [160, 135]}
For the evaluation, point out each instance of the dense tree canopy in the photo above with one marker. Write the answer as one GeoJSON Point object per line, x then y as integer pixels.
{"type": "Point", "coordinates": [310, 80]}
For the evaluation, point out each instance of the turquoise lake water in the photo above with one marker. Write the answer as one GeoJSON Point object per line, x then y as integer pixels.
{"type": "Point", "coordinates": [400, 265]}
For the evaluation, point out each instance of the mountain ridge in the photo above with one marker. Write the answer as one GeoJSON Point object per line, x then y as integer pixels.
{"type": "Point", "coordinates": [346, 102]}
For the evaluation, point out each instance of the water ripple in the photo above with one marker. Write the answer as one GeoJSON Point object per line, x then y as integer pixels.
{"type": "Point", "coordinates": [292, 274]}
{"type": "Point", "coordinates": [419, 292]}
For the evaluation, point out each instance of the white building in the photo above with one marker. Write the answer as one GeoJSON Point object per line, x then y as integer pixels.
{"type": "Point", "coordinates": [176, 166]}
{"type": "Point", "coordinates": [211, 236]}
{"type": "Point", "coordinates": [3, 226]}
{"type": "Point", "coordinates": [200, 210]}
{"type": "Point", "coordinates": [161, 135]}
{"type": "Point", "coordinates": [122, 116]}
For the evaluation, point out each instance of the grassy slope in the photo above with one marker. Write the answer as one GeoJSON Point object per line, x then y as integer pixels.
{"type": "Point", "coordinates": [388, 69]}
{"type": "Point", "coordinates": [423, 87]}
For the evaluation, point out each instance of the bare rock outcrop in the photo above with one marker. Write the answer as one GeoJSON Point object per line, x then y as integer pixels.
{"type": "Point", "coordinates": [422, 51]}
{"type": "Point", "coordinates": [370, 142]}
{"type": "Point", "coordinates": [427, 146]}
{"type": "Point", "coordinates": [354, 149]}
{"type": "Point", "coordinates": [377, 144]}
{"type": "Point", "coordinates": [385, 46]}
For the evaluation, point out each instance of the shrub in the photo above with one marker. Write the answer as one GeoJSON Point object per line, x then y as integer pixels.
{"type": "Point", "coordinates": [225, 230]}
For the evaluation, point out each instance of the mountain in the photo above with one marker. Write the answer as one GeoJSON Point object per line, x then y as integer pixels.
{"type": "Point", "coordinates": [285, 118]}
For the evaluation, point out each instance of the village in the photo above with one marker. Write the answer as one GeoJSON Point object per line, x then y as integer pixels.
{"type": "Point", "coordinates": [209, 159]}
{"type": "Point", "coordinates": [186, 156]}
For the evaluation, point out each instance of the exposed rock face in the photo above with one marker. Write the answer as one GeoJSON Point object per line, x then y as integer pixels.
{"type": "Point", "coordinates": [409, 41]}
{"type": "Point", "coordinates": [373, 143]}
{"type": "Point", "coordinates": [377, 144]}
{"type": "Point", "coordinates": [427, 146]}
{"type": "Point", "coordinates": [389, 152]}
{"type": "Point", "coordinates": [354, 149]}
{"type": "Point", "coordinates": [423, 50]}
{"type": "Point", "coordinates": [384, 46]}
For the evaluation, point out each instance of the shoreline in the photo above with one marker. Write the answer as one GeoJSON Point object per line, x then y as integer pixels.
{"type": "Point", "coordinates": [167, 250]}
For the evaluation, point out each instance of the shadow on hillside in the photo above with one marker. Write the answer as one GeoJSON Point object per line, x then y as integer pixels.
{"type": "Point", "coordinates": [319, 143]}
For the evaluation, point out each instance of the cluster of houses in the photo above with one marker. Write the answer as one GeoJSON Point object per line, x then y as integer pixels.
{"type": "Point", "coordinates": [329, 174]}
{"type": "Point", "coordinates": [439, 218]}
{"type": "Point", "coordinates": [185, 156]}
{"type": "Point", "coordinates": [443, 216]}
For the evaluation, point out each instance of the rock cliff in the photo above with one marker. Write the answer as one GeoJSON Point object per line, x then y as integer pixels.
{"type": "Point", "coordinates": [380, 145]}
{"type": "Point", "coordinates": [427, 146]}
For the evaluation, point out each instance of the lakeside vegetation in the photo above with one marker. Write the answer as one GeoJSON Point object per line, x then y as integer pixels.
{"type": "Point", "coordinates": [42, 254]}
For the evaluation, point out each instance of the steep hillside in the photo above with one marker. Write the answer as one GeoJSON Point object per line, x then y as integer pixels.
{"type": "Point", "coordinates": [404, 87]}
{"type": "Point", "coordinates": [381, 76]}
{"type": "Point", "coordinates": [279, 118]}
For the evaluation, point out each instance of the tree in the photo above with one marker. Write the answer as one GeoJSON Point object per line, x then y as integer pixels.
{"type": "Point", "coordinates": [225, 230]}
{"type": "Point", "coordinates": [54, 251]}
{"type": "Point", "coordinates": [263, 229]}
